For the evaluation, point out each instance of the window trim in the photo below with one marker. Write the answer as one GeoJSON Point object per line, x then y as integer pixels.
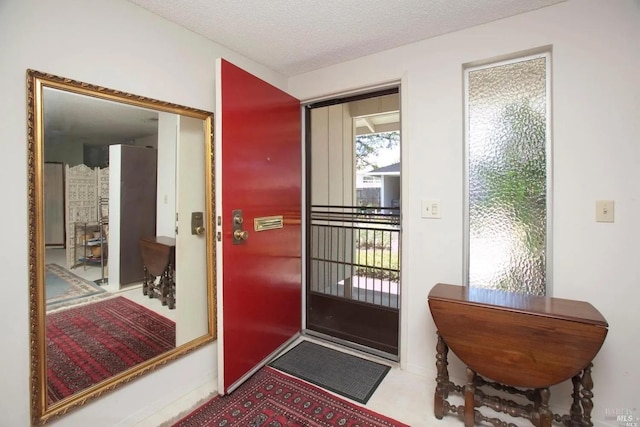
{"type": "Point", "coordinates": [466, 69]}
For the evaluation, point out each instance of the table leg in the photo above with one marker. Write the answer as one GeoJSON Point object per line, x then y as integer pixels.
{"type": "Point", "coordinates": [164, 288]}
{"type": "Point", "coordinates": [145, 282]}
{"type": "Point", "coordinates": [545, 413]}
{"type": "Point", "coordinates": [442, 378]}
{"type": "Point", "coordinates": [576, 410]}
{"type": "Point", "coordinates": [171, 287]}
{"type": "Point", "coordinates": [469, 398]}
{"type": "Point", "coordinates": [587, 395]}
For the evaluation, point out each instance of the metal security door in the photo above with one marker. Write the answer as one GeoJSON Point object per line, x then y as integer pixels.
{"type": "Point", "coordinates": [353, 228]}
{"type": "Point", "coordinates": [258, 129]}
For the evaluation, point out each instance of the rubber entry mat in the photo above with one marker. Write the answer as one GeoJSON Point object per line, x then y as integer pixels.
{"type": "Point", "coordinates": [342, 373]}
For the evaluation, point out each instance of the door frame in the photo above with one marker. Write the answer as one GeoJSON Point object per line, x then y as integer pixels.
{"type": "Point", "coordinates": [339, 96]}
{"type": "Point", "coordinates": [401, 83]}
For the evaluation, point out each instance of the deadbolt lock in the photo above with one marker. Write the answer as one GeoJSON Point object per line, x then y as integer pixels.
{"type": "Point", "coordinates": [197, 223]}
{"type": "Point", "coordinates": [239, 235]}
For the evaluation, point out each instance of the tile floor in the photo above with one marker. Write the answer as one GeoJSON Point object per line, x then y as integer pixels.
{"type": "Point", "coordinates": [92, 272]}
{"type": "Point", "coordinates": [402, 396]}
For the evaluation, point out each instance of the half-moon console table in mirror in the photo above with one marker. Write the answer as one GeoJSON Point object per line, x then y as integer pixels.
{"type": "Point", "coordinates": [105, 170]}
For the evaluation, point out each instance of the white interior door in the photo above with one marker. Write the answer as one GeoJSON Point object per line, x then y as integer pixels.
{"type": "Point", "coordinates": [191, 250]}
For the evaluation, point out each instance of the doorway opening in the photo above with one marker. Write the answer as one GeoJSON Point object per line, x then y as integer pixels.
{"type": "Point", "coordinates": [353, 228]}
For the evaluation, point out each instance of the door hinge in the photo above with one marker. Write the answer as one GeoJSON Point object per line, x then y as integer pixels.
{"type": "Point", "coordinates": [176, 229]}
{"type": "Point", "coordinates": [219, 236]}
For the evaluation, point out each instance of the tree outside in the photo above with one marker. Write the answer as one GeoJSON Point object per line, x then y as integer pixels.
{"type": "Point", "coordinates": [375, 149]}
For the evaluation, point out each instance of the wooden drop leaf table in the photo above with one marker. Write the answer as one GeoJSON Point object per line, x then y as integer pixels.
{"type": "Point", "coordinates": [524, 344]}
{"type": "Point", "coordinates": [159, 258]}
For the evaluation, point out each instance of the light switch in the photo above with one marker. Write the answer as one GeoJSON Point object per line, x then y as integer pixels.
{"type": "Point", "coordinates": [430, 208]}
{"type": "Point", "coordinates": [604, 210]}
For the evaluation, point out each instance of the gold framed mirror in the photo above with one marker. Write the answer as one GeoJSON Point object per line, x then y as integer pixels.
{"type": "Point", "coordinates": [121, 238]}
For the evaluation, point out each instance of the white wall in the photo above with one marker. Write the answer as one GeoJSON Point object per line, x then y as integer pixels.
{"type": "Point", "coordinates": [596, 155]}
{"type": "Point", "coordinates": [116, 44]}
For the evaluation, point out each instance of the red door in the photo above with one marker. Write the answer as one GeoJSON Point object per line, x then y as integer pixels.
{"type": "Point", "coordinates": [260, 306]}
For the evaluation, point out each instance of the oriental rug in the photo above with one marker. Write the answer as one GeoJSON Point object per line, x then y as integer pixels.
{"type": "Point", "coordinates": [342, 373]}
{"type": "Point", "coordinates": [93, 342]}
{"type": "Point", "coordinates": [271, 398]}
{"type": "Point", "coordinates": [63, 288]}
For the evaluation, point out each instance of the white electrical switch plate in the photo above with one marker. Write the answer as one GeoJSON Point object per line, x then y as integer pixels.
{"type": "Point", "coordinates": [430, 208]}
{"type": "Point", "coordinates": [604, 210]}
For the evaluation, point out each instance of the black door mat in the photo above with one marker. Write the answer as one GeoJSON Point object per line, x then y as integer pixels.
{"type": "Point", "coordinates": [350, 376]}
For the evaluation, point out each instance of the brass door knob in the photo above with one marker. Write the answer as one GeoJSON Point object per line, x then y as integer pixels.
{"type": "Point", "coordinates": [240, 235]}
{"type": "Point", "coordinates": [199, 230]}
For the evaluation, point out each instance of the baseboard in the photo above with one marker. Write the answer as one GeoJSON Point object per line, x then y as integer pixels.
{"type": "Point", "coordinates": [179, 408]}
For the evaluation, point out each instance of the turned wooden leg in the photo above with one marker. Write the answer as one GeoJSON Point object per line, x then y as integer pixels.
{"type": "Point", "coordinates": [576, 410]}
{"type": "Point", "coordinates": [545, 414]}
{"type": "Point", "coordinates": [587, 395]}
{"type": "Point", "coordinates": [442, 378]}
{"type": "Point", "coordinates": [171, 287]}
{"type": "Point", "coordinates": [145, 282]}
{"type": "Point", "coordinates": [469, 397]}
{"type": "Point", "coordinates": [164, 289]}
{"type": "Point", "coordinates": [151, 285]}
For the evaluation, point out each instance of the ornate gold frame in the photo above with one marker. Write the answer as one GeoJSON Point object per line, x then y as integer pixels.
{"type": "Point", "coordinates": [36, 81]}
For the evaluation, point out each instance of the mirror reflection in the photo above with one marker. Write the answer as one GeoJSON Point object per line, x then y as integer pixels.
{"type": "Point", "coordinates": [125, 235]}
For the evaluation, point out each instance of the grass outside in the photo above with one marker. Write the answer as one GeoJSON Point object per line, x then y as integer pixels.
{"type": "Point", "coordinates": [378, 264]}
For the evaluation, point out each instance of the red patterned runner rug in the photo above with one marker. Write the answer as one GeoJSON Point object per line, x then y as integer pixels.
{"type": "Point", "coordinates": [271, 398]}
{"type": "Point", "coordinates": [93, 342]}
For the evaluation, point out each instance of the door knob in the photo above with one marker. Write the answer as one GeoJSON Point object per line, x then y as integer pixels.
{"type": "Point", "coordinates": [199, 230]}
{"type": "Point", "coordinates": [240, 235]}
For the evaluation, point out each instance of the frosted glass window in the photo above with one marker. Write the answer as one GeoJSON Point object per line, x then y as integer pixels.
{"type": "Point", "coordinates": [506, 112]}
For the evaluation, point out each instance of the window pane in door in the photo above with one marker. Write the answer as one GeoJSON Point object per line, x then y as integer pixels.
{"type": "Point", "coordinates": [507, 176]}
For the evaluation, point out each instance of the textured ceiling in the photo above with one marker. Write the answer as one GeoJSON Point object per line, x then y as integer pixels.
{"type": "Point", "coordinates": [296, 36]}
